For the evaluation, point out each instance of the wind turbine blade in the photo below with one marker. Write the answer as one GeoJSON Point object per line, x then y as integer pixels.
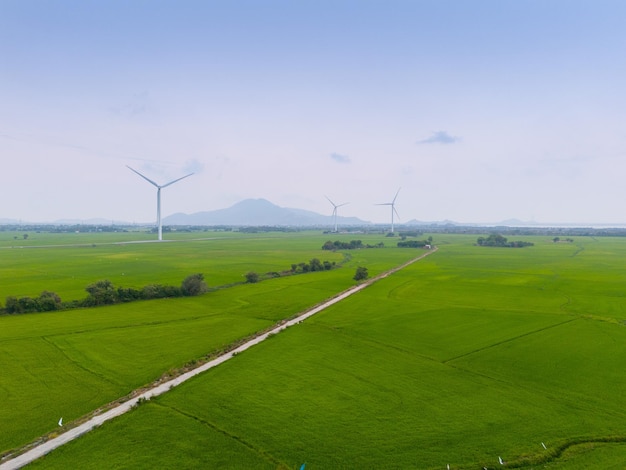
{"type": "Point", "coordinates": [334, 205]}
{"type": "Point", "coordinates": [144, 177]}
{"type": "Point", "coordinates": [172, 182]}
{"type": "Point", "coordinates": [345, 203]}
{"type": "Point", "coordinates": [394, 198]}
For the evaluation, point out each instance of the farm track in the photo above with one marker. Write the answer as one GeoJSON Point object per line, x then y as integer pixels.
{"type": "Point", "coordinates": [48, 443]}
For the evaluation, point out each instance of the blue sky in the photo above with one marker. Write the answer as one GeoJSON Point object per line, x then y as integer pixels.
{"type": "Point", "coordinates": [480, 111]}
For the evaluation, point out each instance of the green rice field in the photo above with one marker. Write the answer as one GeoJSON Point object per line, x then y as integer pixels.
{"type": "Point", "coordinates": [471, 354]}
{"type": "Point", "coordinates": [71, 362]}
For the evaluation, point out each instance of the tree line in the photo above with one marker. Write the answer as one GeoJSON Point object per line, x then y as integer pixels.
{"type": "Point", "coordinates": [498, 240]}
{"type": "Point", "coordinates": [351, 245]}
{"type": "Point", "coordinates": [414, 244]}
{"type": "Point", "coordinates": [296, 268]}
{"type": "Point", "coordinates": [103, 292]}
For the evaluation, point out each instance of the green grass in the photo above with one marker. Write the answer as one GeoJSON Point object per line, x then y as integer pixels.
{"type": "Point", "coordinates": [59, 266]}
{"type": "Point", "coordinates": [607, 456]}
{"type": "Point", "coordinates": [69, 363]}
{"type": "Point", "coordinates": [203, 447]}
{"type": "Point", "coordinates": [470, 354]}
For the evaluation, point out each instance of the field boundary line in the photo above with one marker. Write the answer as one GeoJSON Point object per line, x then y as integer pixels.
{"type": "Point", "coordinates": [511, 339]}
{"type": "Point", "coordinates": [40, 450]}
{"type": "Point", "coordinates": [268, 457]}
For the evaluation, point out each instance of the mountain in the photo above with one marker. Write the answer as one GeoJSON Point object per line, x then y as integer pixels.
{"type": "Point", "coordinates": [258, 212]}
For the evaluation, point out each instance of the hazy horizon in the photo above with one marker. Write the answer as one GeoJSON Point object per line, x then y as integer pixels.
{"type": "Point", "coordinates": [481, 111]}
{"type": "Point", "coordinates": [343, 221]}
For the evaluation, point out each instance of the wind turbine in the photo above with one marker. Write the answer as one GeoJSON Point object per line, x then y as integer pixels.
{"type": "Point", "coordinates": [159, 187]}
{"type": "Point", "coordinates": [393, 207]}
{"type": "Point", "coordinates": [335, 206]}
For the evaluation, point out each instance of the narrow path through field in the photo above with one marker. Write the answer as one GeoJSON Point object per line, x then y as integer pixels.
{"type": "Point", "coordinates": [42, 449]}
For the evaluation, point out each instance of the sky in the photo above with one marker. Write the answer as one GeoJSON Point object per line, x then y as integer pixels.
{"type": "Point", "coordinates": [477, 111]}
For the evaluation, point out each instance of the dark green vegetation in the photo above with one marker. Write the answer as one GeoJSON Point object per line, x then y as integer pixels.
{"type": "Point", "coordinates": [351, 245]}
{"type": "Point", "coordinates": [314, 265]}
{"type": "Point", "coordinates": [360, 273]}
{"type": "Point", "coordinates": [496, 239]}
{"type": "Point", "coordinates": [464, 356]}
{"type": "Point", "coordinates": [413, 244]}
{"type": "Point", "coordinates": [103, 292]}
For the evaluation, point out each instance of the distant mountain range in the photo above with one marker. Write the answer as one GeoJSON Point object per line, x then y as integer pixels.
{"type": "Point", "coordinates": [259, 212]}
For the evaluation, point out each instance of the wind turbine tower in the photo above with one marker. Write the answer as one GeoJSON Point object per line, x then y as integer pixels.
{"type": "Point", "coordinates": [393, 208]}
{"type": "Point", "coordinates": [159, 187]}
{"type": "Point", "coordinates": [335, 206]}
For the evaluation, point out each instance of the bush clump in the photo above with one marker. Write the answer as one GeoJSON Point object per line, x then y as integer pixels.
{"type": "Point", "coordinates": [361, 274]}
{"type": "Point", "coordinates": [314, 265]}
{"type": "Point", "coordinates": [498, 240]}
{"type": "Point", "coordinates": [194, 285]}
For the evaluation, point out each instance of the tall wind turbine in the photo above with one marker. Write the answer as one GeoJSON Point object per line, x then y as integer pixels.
{"type": "Point", "coordinates": [335, 206]}
{"type": "Point", "coordinates": [393, 207]}
{"type": "Point", "coordinates": [159, 187]}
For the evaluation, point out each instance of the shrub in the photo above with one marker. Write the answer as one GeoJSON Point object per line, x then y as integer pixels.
{"type": "Point", "coordinates": [316, 265]}
{"type": "Point", "coordinates": [27, 304]}
{"type": "Point", "coordinates": [412, 244]}
{"type": "Point", "coordinates": [194, 285]}
{"type": "Point", "coordinates": [500, 241]}
{"type": "Point", "coordinates": [360, 274]}
{"type": "Point", "coordinates": [129, 294]}
{"type": "Point", "coordinates": [339, 245]}
{"type": "Point", "coordinates": [48, 301]}
{"type": "Point", "coordinates": [101, 293]}
{"type": "Point", "coordinates": [159, 291]}
{"type": "Point", "coordinates": [252, 277]}
{"type": "Point", "coordinates": [11, 305]}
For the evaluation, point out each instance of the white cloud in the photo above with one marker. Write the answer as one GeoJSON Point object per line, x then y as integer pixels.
{"type": "Point", "coordinates": [340, 158]}
{"type": "Point", "coordinates": [440, 137]}
{"type": "Point", "coordinates": [193, 166]}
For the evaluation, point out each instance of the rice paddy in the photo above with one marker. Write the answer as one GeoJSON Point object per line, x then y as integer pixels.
{"type": "Point", "coordinates": [471, 354]}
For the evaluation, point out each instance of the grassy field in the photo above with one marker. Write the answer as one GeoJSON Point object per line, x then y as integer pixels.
{"type": "Point", "coordinates": [71, 362]}
{"type": "Point", "coordinates": [66, 265]}
{"type": "Point", "coordinates": [468, 355]}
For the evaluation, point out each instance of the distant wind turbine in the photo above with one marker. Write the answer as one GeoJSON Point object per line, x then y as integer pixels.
{"type": "Point", "coordinates": [335, 206]}
{"type": "Point", "coordinates": [393, 207]}
{"type": "Point", "coordinates": [159, 187]}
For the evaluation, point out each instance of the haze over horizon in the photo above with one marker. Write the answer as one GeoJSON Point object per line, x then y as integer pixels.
{"type": "Point", "coordinates": [481, 111]}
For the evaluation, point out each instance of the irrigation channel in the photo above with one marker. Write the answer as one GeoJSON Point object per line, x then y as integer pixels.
{"type": "Point", "coordinates": [37, 451]}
